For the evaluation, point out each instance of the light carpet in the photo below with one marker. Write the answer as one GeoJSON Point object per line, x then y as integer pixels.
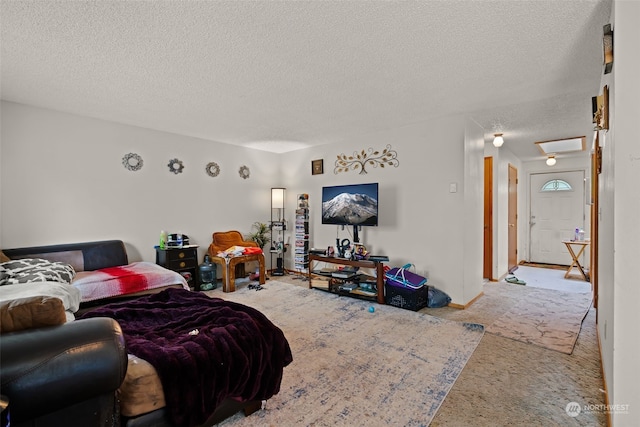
{"type": "Point", "coordinates": [353, 367]}
{"type": "Point", "coordinates": [546, 318]}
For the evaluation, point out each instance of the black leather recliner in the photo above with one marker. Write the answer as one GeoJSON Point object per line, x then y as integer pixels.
{"type": "Point", "coordinates": [63, 375]}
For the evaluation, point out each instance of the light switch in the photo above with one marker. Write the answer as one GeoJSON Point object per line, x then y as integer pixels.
{"type": "Point", "coordinates": [453, 187]}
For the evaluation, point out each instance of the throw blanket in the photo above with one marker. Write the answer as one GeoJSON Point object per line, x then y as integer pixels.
{"type": "Point", "coordinates": [69, 295]}
{"type": "Point", "coordinates": [204, 349]}
{"type": "Point", "coordinates": [234, 251]}
{"type": "Point", "coordinates": [125, 279]}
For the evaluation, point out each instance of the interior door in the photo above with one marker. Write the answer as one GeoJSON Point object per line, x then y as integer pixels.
{"type": "Point", "coordinates": [487, 268]}
{"type": "Point", "coordinates": [557, 209]}
{"type": "Point", "coordinates": [512, 217]}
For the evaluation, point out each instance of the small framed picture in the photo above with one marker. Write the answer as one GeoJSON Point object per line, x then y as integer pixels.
{"type": "Point", "coordinates": [317, 167]}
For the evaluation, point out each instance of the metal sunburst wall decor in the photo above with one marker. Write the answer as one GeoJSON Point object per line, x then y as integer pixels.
{"type": "Point", "coordinates": [175, 166]}
{"type": "Point", "coordinates": [359, 160]}
{"type": "Point", "coordinates": [212, 169]}
{"type": "Point", "coordinates": [132, 162]}
{"type": "Point", "coordinates": [244, 172]}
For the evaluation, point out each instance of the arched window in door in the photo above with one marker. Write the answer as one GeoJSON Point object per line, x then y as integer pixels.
{"type": "Point", "coordinates": [556, 185]}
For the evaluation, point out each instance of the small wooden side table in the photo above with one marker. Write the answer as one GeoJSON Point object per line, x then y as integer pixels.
{"type": "Point", "coordinates": [576, 257]}
{"type": "Point", "coordinates": [228, 267]}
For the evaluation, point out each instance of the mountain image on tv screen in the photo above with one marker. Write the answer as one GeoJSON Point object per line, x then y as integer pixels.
{"type": "Point", "coordinates": [350, 205]}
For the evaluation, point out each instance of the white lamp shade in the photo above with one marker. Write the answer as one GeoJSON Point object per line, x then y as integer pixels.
{"type": "Point", "coordinates": [277, 198]}
{"type": "Point", "coordinates": [551, 161]}
{"type": "Point", "coordinates": [498, 140]}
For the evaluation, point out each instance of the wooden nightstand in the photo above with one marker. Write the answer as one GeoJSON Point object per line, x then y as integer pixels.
{"type": "Point", "coordinates": [183, 261]}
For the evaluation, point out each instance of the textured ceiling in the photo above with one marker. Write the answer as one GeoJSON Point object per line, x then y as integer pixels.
{"type": "Point", "coordinates": [282, 75]}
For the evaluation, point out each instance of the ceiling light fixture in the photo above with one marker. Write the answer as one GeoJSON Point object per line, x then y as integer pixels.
{"type": "Point", "coordinates": [551, 160]}
{"type": "Point", "coordinates": [498, 140]}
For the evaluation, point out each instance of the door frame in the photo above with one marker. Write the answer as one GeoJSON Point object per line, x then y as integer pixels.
{"type": "Point", "coordinates": [487, 263]}
{"type": "Point", "coordinates": [596, 168]}
{"type": "Point", "coordinates": [512, 219]}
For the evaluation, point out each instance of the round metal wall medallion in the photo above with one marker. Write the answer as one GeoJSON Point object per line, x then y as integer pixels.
{"type": "Point", "coordinates": [175, 166]}
{"type": "Point", "coordinates": [212, 169]}
{"type": "Point", "coordinates": [132, 162]}
{"type": "Point", "coordinates": [244, 172]}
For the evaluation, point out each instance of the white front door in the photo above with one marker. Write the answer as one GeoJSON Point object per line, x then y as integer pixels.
{"type": "Point", "coordinates": [556, 211]}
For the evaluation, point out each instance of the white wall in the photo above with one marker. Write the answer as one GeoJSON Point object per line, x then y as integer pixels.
{"type": "Point", "coordinates": [63, 181]}
{"type": "Point", "coordinates": [606, 229]}
{"type": "Point", "coordinates": [421, 222]}
{"type": "Point", "coordinates": [473, 229]}
{"type": "Point", "coordinates": [618, 284]}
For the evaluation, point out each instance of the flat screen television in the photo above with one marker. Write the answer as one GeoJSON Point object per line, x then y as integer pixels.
{"type": "Point", "coordinates": [355, 204]}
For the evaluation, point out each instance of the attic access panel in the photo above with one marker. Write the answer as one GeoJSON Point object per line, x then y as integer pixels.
{"type": "Point", "coordinates": [559, 146]}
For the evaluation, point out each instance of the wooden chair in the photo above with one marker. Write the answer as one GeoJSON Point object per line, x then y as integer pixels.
{"type": "Point", "coordinates": [234, 266]}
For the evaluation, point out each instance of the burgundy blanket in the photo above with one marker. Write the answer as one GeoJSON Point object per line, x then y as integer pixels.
{"type": "Point", "coordinates": [204, 349]}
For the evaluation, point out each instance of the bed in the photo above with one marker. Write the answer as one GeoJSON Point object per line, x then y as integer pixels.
{"type": "Point", "coordinates": [101, 270]}
{"type": "Point", "coordinates": [192, 360]}
{"type": "Point", "coordinates": [206, 351]}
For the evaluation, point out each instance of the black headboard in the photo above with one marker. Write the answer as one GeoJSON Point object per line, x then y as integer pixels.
{"type": "Point", "coordinates": [85, 256]}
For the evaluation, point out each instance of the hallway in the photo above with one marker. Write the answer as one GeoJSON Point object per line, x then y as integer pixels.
{"type": "Point", "coordinates": [507, 382]}
{"type": "Point", "coordinates": [550, 278]}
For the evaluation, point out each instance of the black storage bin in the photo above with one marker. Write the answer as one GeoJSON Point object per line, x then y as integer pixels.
{"type": "Point", "coordinates": [405, 297]}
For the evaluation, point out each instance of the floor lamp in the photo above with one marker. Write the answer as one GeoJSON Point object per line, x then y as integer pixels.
{"type": "Point", "coordinates": [278, 226]}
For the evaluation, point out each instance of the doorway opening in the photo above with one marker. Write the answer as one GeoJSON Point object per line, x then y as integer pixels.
{"type": "Point", "coordinates": [512, 218]}
{"type": "Point", "coordinates": [487, 266]}
{"type": "Point", "coordinates": [557, 208]}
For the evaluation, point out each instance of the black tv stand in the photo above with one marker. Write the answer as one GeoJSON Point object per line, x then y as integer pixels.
{"type": "Point", "coordinates": [377, 265]}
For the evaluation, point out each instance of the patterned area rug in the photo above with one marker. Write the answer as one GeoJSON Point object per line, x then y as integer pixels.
{"type": "Point", "coordinates": [549, 319]}
{"type": "Point", "coordinates": [356, 367]}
